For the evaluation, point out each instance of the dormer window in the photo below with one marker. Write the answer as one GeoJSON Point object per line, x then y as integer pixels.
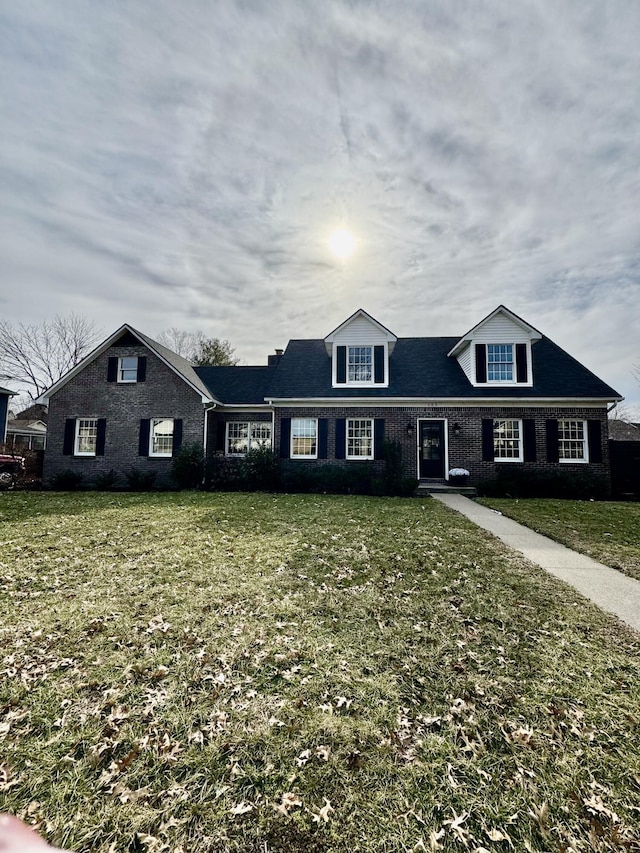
{"type": "Point", "coordinates": [359, 364]}
{"type": "Point", "coordinates": [356, 365]}
{"type": "Point", "coordinates": [503, 364]}
{"type": "Point", "coordinates": [359, 350]}
{"type": "Point", "coordinates": [499, 362]}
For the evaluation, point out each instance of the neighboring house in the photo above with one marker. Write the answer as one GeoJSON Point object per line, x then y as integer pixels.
{"type": "Point", "coordinates": [28, 429]}
{"type": "Point", "coordinates": [4, 412]}
{"type": "Point", "coordinates": [624, 430]}
{"type": "Point", "coordinates": [501, 395]}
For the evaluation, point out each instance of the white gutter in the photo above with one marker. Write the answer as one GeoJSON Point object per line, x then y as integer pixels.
{"type": "Point", "coordinates": [458, 402]}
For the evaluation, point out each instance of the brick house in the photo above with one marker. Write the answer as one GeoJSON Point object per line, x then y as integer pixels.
{"type": "Point", "coordinates": [501, 395]}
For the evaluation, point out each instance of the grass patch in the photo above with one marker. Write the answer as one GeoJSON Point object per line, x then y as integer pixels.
{"type": "Point", "coordinates": [607, 531]}
{"type": "Point", "coordinates": [233, 672]}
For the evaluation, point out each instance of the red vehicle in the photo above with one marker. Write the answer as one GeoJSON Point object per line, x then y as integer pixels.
{"type": "Point", "coordinates": [11, 470]}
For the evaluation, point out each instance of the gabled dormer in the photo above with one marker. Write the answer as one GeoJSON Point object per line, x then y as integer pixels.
{"type": "Point", "coordinates": [497, 352]}
{"type": "Point", "coordinates": [359, 350]}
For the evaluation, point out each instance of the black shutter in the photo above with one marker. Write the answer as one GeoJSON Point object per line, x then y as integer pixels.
{"type": "Point", "coordinates": [378, 438]}
{"type": "Point", "coordinates": [143, 442]}
{"type": "Point", "coordinates": [323, 431]}
{"type": "Point", "coordinates": [594, 432]}
{"type": "Point", "coordinates": [285, 438]}
{"type": "Point", "coordinates": [142, 368]}
{"type": "Point", "coordinates": [177, 435]}
{"type": "Point", "coordinates": [221, 428]}
{"type": "Point", "coordinates": [488, 453]}
{"type": "Point", "coordinates": [378, 365]}
{"type": "Point", "coordinates": [341, 438]}
{"type": "Point", "coordinates": [481, 367]}
{"type": "Point", "coordinates": [521, 363]}
{"type": "Point", "coordinates": [552, 441]}
{"type": "Point", "coordinates": [101, 434]}
{"type": "Point", "coordinates": [341, 365]}
{"type": "Point", "coordinates": [112, 369]}
{"type": "Point", "coordinates": [529, 430]}
{"type": "Point", "coordinates": [69, 436]}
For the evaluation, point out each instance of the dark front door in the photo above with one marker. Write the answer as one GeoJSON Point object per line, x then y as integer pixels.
{"type": "Point", "coordinates": [431, 449]}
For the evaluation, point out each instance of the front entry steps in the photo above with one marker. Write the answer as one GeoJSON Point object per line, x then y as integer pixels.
{"type": "Point", "coordinates": [430, 487]}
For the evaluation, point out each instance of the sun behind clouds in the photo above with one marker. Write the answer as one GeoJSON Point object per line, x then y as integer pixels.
{"type": "Point", "coordinates": [342, 243]}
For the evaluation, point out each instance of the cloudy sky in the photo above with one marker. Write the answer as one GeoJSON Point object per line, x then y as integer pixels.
{"type": "Point", "coordinates": [184, 164]}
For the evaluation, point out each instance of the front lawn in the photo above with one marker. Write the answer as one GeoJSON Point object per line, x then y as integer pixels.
{"type": "Point", "coordinates": [260, 673]}
{"type": "Point", "coordinates": [607, 531]}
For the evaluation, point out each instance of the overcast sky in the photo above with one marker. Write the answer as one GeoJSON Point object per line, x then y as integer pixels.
{"type": "Point", "coordinates": [183, 164]}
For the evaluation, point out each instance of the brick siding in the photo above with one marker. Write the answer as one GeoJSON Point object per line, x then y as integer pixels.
{"type": "Point", "coordinates": [465, 449]}
{"type": "Point", "coordinates": [163, 394]}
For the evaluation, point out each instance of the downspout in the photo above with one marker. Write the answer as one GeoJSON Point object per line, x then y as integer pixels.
{"type": "Point", "coordinates": [273, 422]}
{"type": "Point", "coordinates": [207, 408]}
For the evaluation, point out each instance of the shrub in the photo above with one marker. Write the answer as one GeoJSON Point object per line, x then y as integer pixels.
{"type": "Point", "coordinates": [355, 479]}
{"type": "Point", "coordinates": [260, 470]}
{"type": "Point", "coordinates": [106, 480]}
{"type": "Point", "coordinates": [67, 481]}
{"type": "Point", "coordinates": [408, 486]}
{"type": "Point", "coordinates": [140, 481]}
{"type": "Point", "coordinates": [393, 467]}
{"type": "Point", "coordinates": [187, 468]}
{"type": "Point", "coordinates": [523, 483]}
{"type": "Point", "coordinates": [222, 474]}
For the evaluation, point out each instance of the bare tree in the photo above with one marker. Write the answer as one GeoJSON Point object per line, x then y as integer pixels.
{"type": "Point", "coordinates": [38, 354]}
{"type": "Point", "coordinates": [197, 348]}
{"type": "Point", "coordinates": [180, 341]}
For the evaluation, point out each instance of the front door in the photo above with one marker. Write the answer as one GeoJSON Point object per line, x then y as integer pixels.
{"type": "Point", "coordinates": [431, 450]}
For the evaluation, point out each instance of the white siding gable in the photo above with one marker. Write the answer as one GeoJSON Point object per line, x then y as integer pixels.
{"type": "Point", "coordinates": [500, 327]}
{"type": "Point", "coordinates": [360, 332]}
{"type": "Point", "coordinates": [464, 360]}
{"type": "Point", "coordinates": [501, 330]}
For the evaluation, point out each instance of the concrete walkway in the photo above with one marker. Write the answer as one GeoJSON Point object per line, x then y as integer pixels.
{"type": "Point", "coordinates": [605, 586]}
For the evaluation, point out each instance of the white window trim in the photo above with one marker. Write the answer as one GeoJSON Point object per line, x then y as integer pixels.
{"type": "Point", "coordinates": [293, 455]}
{"type": "Point", "coordinates": [352, 384]}
{"type": "Point", "coordinates": [160, 455]}
{"type": "Point", "coordinates": [585, 443]}
{"type": "Point", "coordinates": [249, 424]}
{"type": "Point", "coordinates": [520, 457]}
{"type": "Point", "coordinates": [346, 438]}
{"type": "Point", "coordinates": [121, 381]}
{"type": "Point", "coordinates": [76, 438]}
{"type": "Point", "coordinates": [494, 383]}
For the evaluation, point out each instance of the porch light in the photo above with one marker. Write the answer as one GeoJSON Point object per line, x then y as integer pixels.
{"type": "Point", "coordinates": [411, 429]}
{"type": "Point", "coordinates": [457, 429]}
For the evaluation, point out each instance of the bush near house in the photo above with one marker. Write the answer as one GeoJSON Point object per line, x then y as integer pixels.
{"type": "Point", "coordinates": [525, 483]}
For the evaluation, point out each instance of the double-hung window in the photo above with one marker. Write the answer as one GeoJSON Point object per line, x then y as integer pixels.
{"type": "Point", "coordinates": [499, 362]}
{"type": "Point", "coordinates": [304, 438]}
{"type": "Point", "coordinates": [360, 364]}
{"type": "Point", "coordinates": [86, 437]}
{"type": "Point", "coordinates": [245, 435]}
{"type": "Point", "coordinates": [359, 438]}
{"type": "Point", "coordinates": [161, 437]}
{"type": "Point", "coordinates": [572, 441]}
{"type": "Point", "coordinates": [128, 369]}
{"type": "Point", "coordinates": [507, 440]}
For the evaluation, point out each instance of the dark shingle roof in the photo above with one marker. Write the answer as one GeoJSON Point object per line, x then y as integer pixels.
{"type": "Point", "coordinates": [419, 367]}
{"type": "Point", "coordinates": [238, 385]}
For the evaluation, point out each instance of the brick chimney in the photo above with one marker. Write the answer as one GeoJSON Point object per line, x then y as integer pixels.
{"type": "Point", "coordinates": [272, 360]}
